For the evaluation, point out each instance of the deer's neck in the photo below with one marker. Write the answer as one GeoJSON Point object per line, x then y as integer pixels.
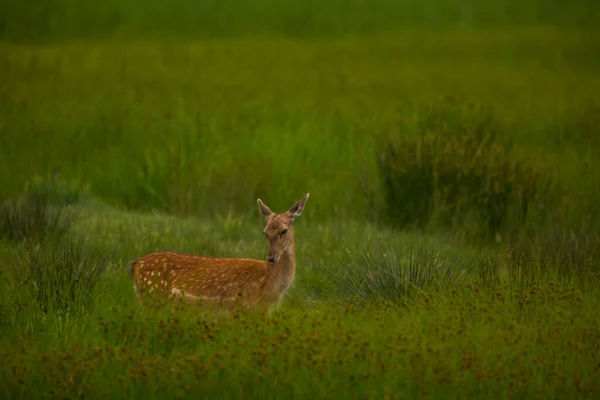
{"type": "Point", "coordinates": [283, 271]}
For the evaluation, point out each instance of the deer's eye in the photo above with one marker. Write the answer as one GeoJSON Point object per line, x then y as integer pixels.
{"type": "Point", "coordinates": [283, 232]}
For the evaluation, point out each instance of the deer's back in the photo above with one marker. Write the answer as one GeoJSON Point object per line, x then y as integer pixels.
{"type": "Point", "coordinates": [201, 277]}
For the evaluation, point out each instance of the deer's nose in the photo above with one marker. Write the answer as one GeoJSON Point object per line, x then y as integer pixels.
{"type": "Point", "coordinates": [271, 259]}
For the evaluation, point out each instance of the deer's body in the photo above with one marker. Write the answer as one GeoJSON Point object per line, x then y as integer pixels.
{"type": "Point", "coordinates": [225, 282]}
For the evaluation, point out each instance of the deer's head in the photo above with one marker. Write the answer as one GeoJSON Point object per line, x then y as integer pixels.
{"type": "Point", "coordinates": [279, 228]}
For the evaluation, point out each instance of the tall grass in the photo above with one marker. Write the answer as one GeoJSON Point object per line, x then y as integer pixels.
{"type": "Point", "coordinates": [456, 165]}
{"type": "Point", "coordinates": [49, 266]}
{"type": "Point", "coordinates": [39, 214]}
{"type": "Point", "coordinates": [44, 20]}
{"type": "Point", "coordinates": [59, 275]}
{"type": "Point", "coordinates": [181, 128]}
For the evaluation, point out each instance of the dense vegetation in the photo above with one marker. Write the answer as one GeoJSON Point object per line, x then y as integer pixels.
{"type": "Point", "coordinates": [450, 246]}
{"type": "Point", "coordinates": [46, 20]}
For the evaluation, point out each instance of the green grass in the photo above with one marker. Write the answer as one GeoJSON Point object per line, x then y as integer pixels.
{"type": "Point", "coordinates": [125, 131]}
{"type": "Point", "coordinates": [180, 127]}
{"type": "Point", "coordinates": [500, 337]}
{"type": "Point", "coordinates": [448, 349]}
{"type": "Point", "coordinates": [51, 20]}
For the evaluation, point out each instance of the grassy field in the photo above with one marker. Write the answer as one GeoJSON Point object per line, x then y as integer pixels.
{"type": "Point", "coordinates": [431, 318]}
{"type": "Point", "coordinates": [50, 20]}
{"type": "Point", "coordinates": [450, 245]}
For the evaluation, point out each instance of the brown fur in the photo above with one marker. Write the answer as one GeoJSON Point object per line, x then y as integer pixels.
{"type": "Point", "coordinates": [226, 282]}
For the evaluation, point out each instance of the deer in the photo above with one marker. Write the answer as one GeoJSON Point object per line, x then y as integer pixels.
{"type": "Point", "coordinates": [225, 283]}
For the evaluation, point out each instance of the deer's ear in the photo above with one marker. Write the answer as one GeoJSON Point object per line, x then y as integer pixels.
{"type": "Point", "coordinates": [266, 211]}
{"type": "Point", "coordinates": [296, 209]}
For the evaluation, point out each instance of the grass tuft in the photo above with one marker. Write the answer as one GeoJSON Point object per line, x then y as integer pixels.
{"type": "Point", "coordinates": [557, 254]}
{"type": "Point", "coordinates": [383, 274]}
{"type": "Point", "coordinates": [59, 274]}
{"type": "Point", "coordinates": [33, 217]}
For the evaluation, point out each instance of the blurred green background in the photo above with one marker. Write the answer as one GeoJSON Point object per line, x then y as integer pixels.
{"type": "Point", "coordinates": [64, 19]}
{"type": "Point", "coordinates": [200, 108]}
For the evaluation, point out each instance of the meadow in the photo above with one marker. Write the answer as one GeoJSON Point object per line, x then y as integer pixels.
{"type": "Point", "coordinates": [450, 246]}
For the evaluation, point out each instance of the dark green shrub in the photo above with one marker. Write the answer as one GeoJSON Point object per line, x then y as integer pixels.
{"type": "Point", "coordinates": [61, 273]}
{"type": "Point", "coordinates": [453, 167]}
{"type": "Point", "coordinates": [40, 213]}
{"type": "Point", "coordinates": [31, 218]}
